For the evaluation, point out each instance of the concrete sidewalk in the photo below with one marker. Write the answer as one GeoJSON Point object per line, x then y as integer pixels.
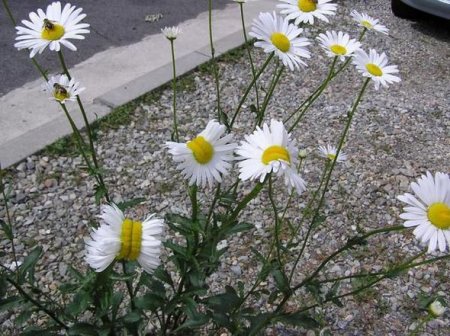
{"type": "Point", "coordinates": [29, 121]}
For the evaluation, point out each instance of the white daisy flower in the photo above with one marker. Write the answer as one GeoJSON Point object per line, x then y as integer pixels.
{"type": "Point", "coordinates": [51, 28]}
{"type": "Point", "coordinates": [368, 22]}
{"type": "Point", "coordinates": [338, 44]}
{"type": "Point", "coordinates": [206, 157]}
{"type": "Point", "coordinates": [430, 211]}
{"type": "Point", "coordinates": [120, 238]}
{"type": "Point", "coordinates": [171, 33]}
{"type": "Point", "coordinates": [268, 150]}
{"type": "Point", "coordinates": [329, 152]}
{"type": "Point", "coordinates": [306, 10]}
{"type": "Point", "coordinates": [436, 308]}
{"type": "Point", "coordinates": [275, 33]}
{"type": "Point", "coordinates": [374, 66]}
{"type": "Point", "coordinates": [62, 89]}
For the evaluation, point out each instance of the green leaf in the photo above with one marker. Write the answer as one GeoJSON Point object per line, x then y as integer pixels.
{"type": "Point", "coordinates": [163, 275]}
{"type": "Point", "coordinates": [225, 302]}
{"type": "Point", "coordinates": [318, 220]}
{"type": "Point", "coordinates": [131, 203]}
{"type": "Point", "coordinates": [178, 250]}
{"type": "Point", "coordinates": [281, 280]}
{"type": "Point", "coordinates": [299, 320]}
{"type": "Point", "coordinates": [29, 264]}
{"type": "Point", "coordinates": [23, 317]}
{"type": "Point", "coordinates": [132, 317]}
{"type": "Point", "coordinates": [192, 324]}
{"type": "Point", "coordinates": [149, 301]}
{"type": "Point", "coordinates": [10, 303]}
{"type": "Point", "coordinates": [241, 227]}
{"type": "Point", "coordinates": [83, 329]}
{"type": "Point", "coordinates": [35, 331]}
{"type": "Point", "coordinates": [79, 304]}
{"type": "Point", "coordinates": [257, 323]}
{"type": "Point", "coordinates": [100, 192]}
{"type": "Point", "coordinates": [253, 109]}
{"type": "Point", "coordinates": [122, 277]}
{"type": "Point", "coordinates": [116, 300]}
{"type": "Point", "coordinates": [7, 229]}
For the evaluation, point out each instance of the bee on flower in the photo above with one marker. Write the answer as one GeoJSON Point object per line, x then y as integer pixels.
{"type": "Point", "coordinates": [56, 26]}
{"type": "Point", "coordinates": [62, 89]}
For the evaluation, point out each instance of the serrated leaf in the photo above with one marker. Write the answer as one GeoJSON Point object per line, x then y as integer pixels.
{"type": "Point", "coordinates": [240, 227]}
{"type": "Point", "coordinates": [281, 280]}
{"type": "Point", "coordinates": [149, 301]}
{"type": "Point", "coordinates": [131, 203]}
{"type": "Point", "coordinates": [83, 329]}
{"type": "Point", "coordinates": [192, 324]}
{"type": "Point", "coordinates": [163, 275]}
{"type": "Point", "coordinates": [122, 277]}
{"type": "Point", "coordinates": [132, 317]}
{"type": "Point", "coordinates": [29, 264]}
{"type": "Point", "coordinates": [79, 304]}
{"type": "Point", "coordinates": [7, 229]}
{"type": "Point", "coordinates": [299, 320]}
{"type": "Point", "coordinates": [11, 303]}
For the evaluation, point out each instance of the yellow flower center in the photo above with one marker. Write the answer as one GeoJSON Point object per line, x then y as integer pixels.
{"type": "Point", "coordinates": [131, 239]}
{"type": "Point", "coordinates": [338, 49]}
{"type": "Point", "coordinates": [439, 215]}
{"type": "Point", "coordinates": [374, 70]}
{"type": "Point", "coordinates": [52, 31]}
{"type": "Point", "coordinates": [331, 157]}
{"type": "Point", "coordinates": [307, 5]}
{"type": "Point", "coordinates": [280, 41]}
{"type": "Point", "coordinates": [366, 24]}
{"type": "Point", "coordinates": [203, 151]}
{"type": "Point", "coordinates": [60, 93]}
{"type": "Point", "coordinates": [274, 153]}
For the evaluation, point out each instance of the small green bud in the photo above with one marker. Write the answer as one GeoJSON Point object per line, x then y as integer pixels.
{"type": "Point", "coordinates": [303, 154]}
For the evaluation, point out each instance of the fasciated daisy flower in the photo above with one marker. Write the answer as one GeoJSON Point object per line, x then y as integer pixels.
{"type": "Point", "coordinates": [270, 150]}
{"type": "Point", "coordinates": [52, 28]}
{"type": "Point", "coordinates": [329, 152]}
{"type": "Point", "coordinates": [171, 33]}
{"type": "Point", "coordinates": [62, 89]}
{"type": "Point", "coordinates": [276, 34]}
{"type": "Point", "coordinates": [120, 238]}
{"type": "Point", "coordinates": [306, 10]}
{"type": "Point", "coordinates": [374, 66]}
{"type": "Point", "coordinates": [338, 44]}
{"type": "Point", "coordinates": [368, 22]}
{"type": "Point", "coordinates": [429, 210]}
{"type": "Point", "coordinates": [206, 157]}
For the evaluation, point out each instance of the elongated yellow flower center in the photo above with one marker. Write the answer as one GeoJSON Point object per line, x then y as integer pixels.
{"type": "Point", "coordinates": [338, 49]}
{"type": "Point", "coordinates": [280, 41]}
{"type": "Point", "coordinates": [203, 151]}
{"type": "Point", "coordinates": [52, 31]}
{"type": "Point", "coordinates": [131, 239]}
{"type": "Point", "coordinates": [367, 24]}
{"type": "Point", "coordinates": [307, 5]}
{"type": "Point", "coordinates": [374, 70]}
{"type": "Point", "coordinates": [274, 153]}
{"type": "Point", "coordinates": [60, 93]}
{"type": "Point", "coordinates": [439, 215]}
{"type": "Point", "coordinates": [331, 157]}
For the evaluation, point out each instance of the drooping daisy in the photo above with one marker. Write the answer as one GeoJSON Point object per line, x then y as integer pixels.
{"type": "Point", "coordinates": [429, 210]}
{"type": "Point", "coordinates": [338, 44]}
{"type": "Point", "coordinates": [374, 66]}
{"type": "Point", "coordinates": [51, 28]}
{"type": "Point", "coordinates": [206, 157]}
{"type": "Point", "coordinates": [270, 150]}
{"type": "Point", "coordinates": [329, 152]}
{"type": "Point", "coordinates": [368, 22]}
{"type": "Point", "coordinates": [275, 33]}
{"type": "Point", "coordinates": [62, 89]}
{"type": "Point", "coordinates": [306, 10]}
{"type": "Point", "coordinates": [120, 238]}
{"type": "Point", "coordinates": [171, 33]}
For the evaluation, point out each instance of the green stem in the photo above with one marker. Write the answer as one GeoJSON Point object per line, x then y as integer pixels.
{"type": "Point", "coordinates": [211, 208]}
{"type": "Point", "coordinates": [8, 217]}
{"type": "Point", "coordinates": [247, 47]}
{"type": "Point", "coordinates": [213, 59]}
{"type": "Point", "coordinates": [247, 91]}
{"type": "Point", "coordinates": [88, 131]}
{"type": "Point", "coordinates": [273, 84]}
{"type": "Point", "coordinates": [243, 203]}
{"type": "Point", "coordinates": [193, 196]}
{"type": "Point", "coordinates": [174, 88]}
{"type": "Point", "coordinates": [330, 171]}
{"type": "Point", "coordinates": [29, 298]}
{"type": "Point", "coordinates": [129, 284]}
{"type": "Point", "coordinates": [311, 99]}
{"type": "Point", "coordinates": [277, 221]}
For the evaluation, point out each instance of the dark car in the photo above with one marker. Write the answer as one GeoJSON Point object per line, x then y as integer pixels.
{"type": "Point", "coordinates": [412, 8]}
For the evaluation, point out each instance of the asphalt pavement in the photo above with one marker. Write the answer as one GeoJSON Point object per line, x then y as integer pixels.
{"type": "Point", "coordinates": [113, 23]}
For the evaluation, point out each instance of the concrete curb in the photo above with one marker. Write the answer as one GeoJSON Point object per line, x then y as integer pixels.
{"type": "Point", "coordinates": [30, 122]}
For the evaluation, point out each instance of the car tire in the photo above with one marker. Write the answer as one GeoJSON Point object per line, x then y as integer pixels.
{"type": "Point", "coordinates": [404, 11]}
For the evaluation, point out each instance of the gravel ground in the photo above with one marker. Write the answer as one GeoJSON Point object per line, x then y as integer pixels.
{"type": "Point", "coordinates": [398, 133]}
